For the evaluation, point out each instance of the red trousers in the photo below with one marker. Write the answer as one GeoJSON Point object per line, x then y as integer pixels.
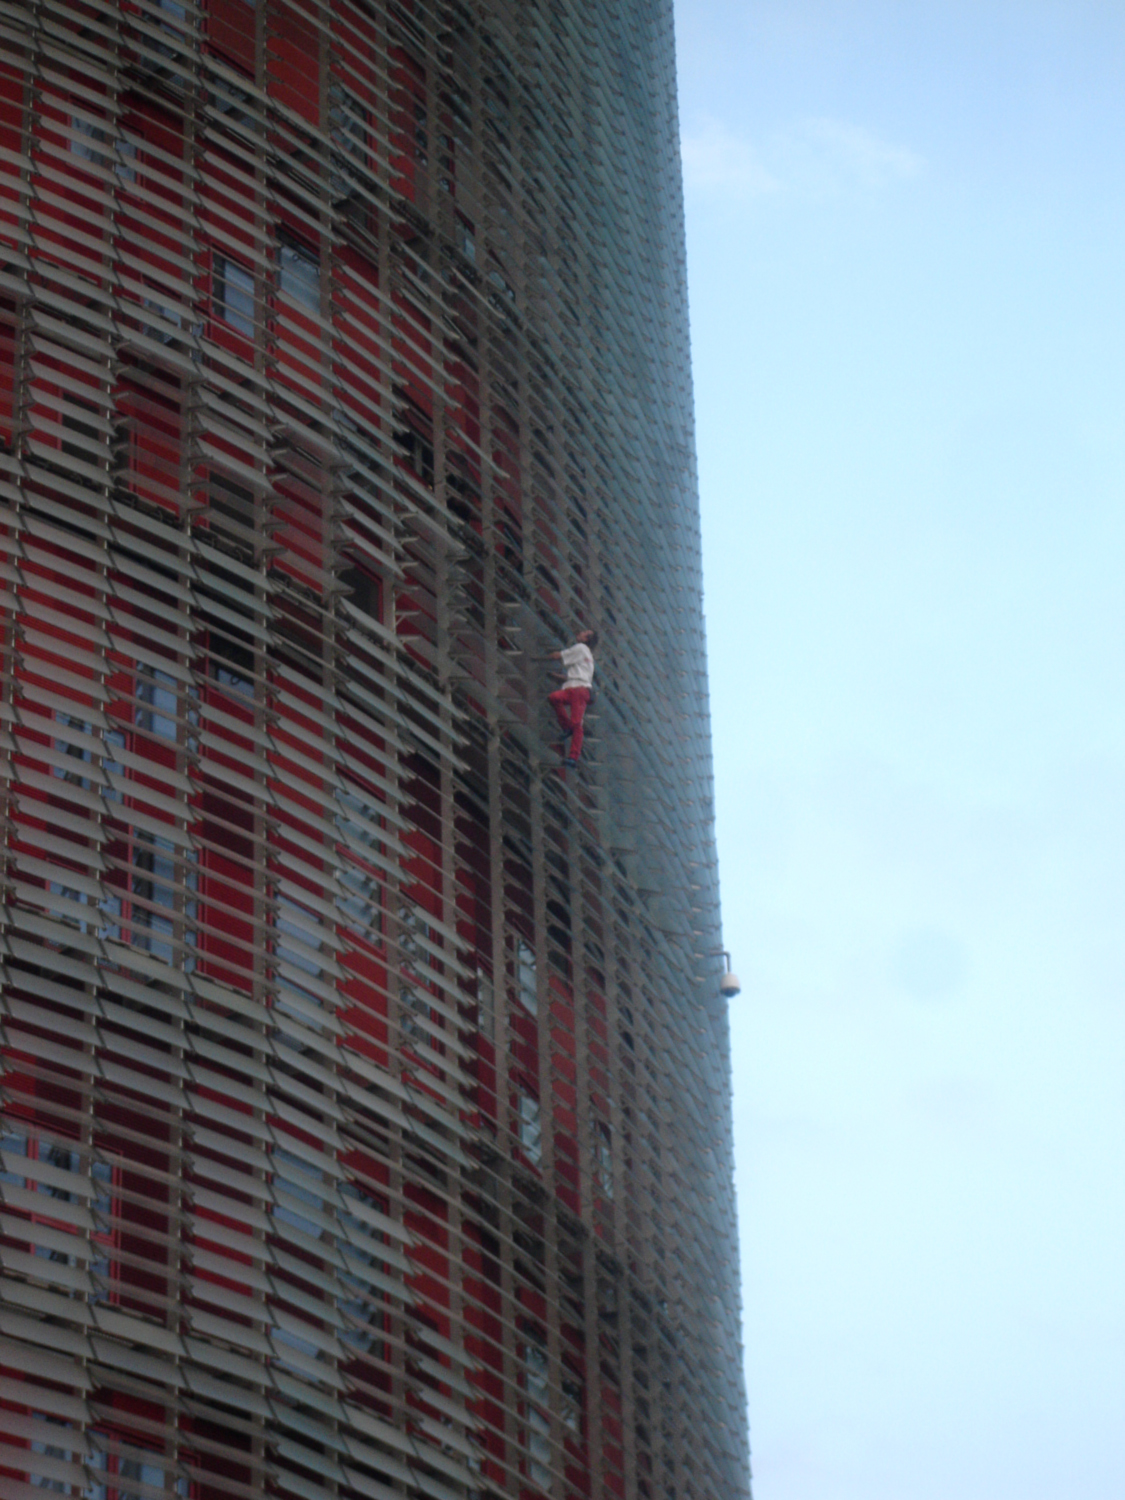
{"type": "Point", "coordinates": [570, 708]}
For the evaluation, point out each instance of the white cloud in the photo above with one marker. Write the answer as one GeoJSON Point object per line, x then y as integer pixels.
{"type": "Point", "coordinates": [715, 160]}
{"type": "Point", "coordinates": [850, 155]}
{"type": "Point", "coordinates": [816, 158]}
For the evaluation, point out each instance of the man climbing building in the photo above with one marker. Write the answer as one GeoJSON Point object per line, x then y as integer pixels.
{"type": "Point", "coordinates": [571, 700]}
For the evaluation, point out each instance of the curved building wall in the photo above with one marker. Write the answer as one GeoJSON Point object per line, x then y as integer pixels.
{"type": "Point", "coordinates": [365, 1083]}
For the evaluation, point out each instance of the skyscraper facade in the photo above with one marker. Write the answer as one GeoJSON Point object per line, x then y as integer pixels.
{"type": "Point", "coordinates": [365, 1079]}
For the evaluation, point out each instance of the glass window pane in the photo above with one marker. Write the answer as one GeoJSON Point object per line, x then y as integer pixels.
{"type": "Point", "coordinates": [300, 275]}
{"type": "Point", "coordinates": [234, 295]}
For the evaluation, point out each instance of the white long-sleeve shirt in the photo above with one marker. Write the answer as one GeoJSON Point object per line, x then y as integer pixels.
{"type": "Point", "coordinates": [579, 663]}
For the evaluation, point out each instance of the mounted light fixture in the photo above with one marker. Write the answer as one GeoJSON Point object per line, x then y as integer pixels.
{"type": "Point", "coordinates": [729, 985]}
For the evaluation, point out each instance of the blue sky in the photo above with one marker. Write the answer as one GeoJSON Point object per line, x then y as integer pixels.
{"type": "Point", "coordinates": [906, 226]}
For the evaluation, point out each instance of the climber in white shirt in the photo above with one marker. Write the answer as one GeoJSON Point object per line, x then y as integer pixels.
{"type": "Point", "coordinates": [570, 701]}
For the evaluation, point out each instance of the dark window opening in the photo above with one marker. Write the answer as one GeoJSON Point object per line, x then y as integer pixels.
{"type": "Point", "coordinates": [157, 702]}
{"type": "Point", "coordinates": [233, 294]}
{"type": "Point", "coordinates": [466, 239]}
{"type": "Point", "coordinates": [366, 592]}
{"type": "Point", "coordinates": [511, 545]}
{"type": "Point", "coordinates": [230, 659]}
{"type": "Point", "coordinates": [298, 642]}
{"type": "Point", "coordinates": [350, 126]}
{"type": "Point", "coordinates": [142, 912]}
{"type": "Point", "coordinates": [233, 103]}
{"type": "Point", "coordinates": [464, 497]}
{"type": "Point", "coordinates": [90, 445]}
{"type": "Point", "coordinates": [299, 273]}
{"type": "Point", "coordinates": [233, 513]}
{"type": "Point", "coordinates": [418, 453]}
{"type": "Point", "coordinates": [174, 49]}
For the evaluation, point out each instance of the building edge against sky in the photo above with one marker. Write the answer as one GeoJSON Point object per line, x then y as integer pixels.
{"type": "Point", "coordinates": [366, 1083]}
